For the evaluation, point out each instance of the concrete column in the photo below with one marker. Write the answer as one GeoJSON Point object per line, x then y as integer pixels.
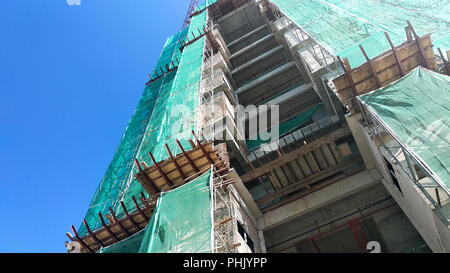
{"type": "Point", "coordinates": [320, 88]}
{"type": "Point", "coordinates": [354, 123]}
{"type": "Point", "coordinates": [262, 242]}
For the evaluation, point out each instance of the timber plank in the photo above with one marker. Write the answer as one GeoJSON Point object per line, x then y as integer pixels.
{"type": "Point", "coordinates": [335, 152]}
{"type": "Point", "coordinates": [312, 162]}
{"type": "Point", "coordinates": [328, 155]}
{"type": "Point", "coordinates": [289, 173]}
{"type": "Point", "coordinates": [296, 168]}
{"type": "Point", "coordinates": [385, 68]}
{"type": "Point", "coordinates": [309, 180]}
{"type": "Point", "coordinates": [274, 180]}
{"type": "Point", "coordinates": [304, 165]}
{"type": "Point", "coordinates": [305, 149]}
{"type": "Point", "coordinates": [320, 159]}
{"type": "Point", "coordinates": [281, 177]}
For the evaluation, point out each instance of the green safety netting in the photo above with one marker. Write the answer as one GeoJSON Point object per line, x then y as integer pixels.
{"type": "Point", "coordinates": [177, 115]}
{"type": "Point", "coordinates": [182, 221]}
{"type": "Point", "coordinates": [416, 109]}
{"type": "Point", "coordinates": [128, 245]}
{"type": "Point", "coordinates": [287, 126]}
{"type": "Point", "coordinates": [166, 111]}
{"type": "Point", "coordinates": [205, 4]}
{"type": "Point", "coordinates": [341, 25]}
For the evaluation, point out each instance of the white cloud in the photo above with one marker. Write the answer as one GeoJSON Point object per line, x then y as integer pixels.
{"type": "Point", "coordinates": [73, 2]}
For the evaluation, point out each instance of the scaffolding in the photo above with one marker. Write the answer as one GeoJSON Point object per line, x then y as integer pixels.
{"type": "Point", "coordinates": [207, 84]}
{"type": "Point", "coordinates": [167, 112]}
{"type": "Point", "coordinates": [193, 218]}
{"type": "Point", "coordinates": [181, 97]}
{"type": "Point", "coordinates": [223, 240]}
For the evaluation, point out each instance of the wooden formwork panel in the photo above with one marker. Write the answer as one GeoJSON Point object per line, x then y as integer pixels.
{"type": "Point", "coordinates": [306, 182]}
{"type": "Point", "coordinates": [115, 230]}
{"type": "Point", "coordinates": [155, 178]}
{"type": "Point", "coordinates": [385, 68]}
{"type": "Point", "coordinates": [191, 163]}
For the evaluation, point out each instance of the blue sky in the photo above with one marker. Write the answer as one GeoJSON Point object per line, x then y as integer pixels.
{"type": "Point", "coordinates": [70, 78]}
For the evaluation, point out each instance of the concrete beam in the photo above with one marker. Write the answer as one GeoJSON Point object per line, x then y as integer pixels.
{"type": "Point", "coordinates": [297, 91]}
{"type": "Point", "coordinates": [234, 12]}
{"type": "Point", "coordinates": [246, 36]}
{"type": "Point", "coordinates": [259, 65]}
{"type": "Point", "coordinates": [251, 46]}
{"type": "Point", "coordinates": [257, 59]}
{"type": "Point", "coordinates": [265, 77]}
{"type": "Point", "coordinates": [320, 198]}
{"type": "Point", "coordinates": [241, 21]}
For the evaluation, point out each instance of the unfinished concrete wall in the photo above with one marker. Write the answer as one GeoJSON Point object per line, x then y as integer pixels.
{"type": "Point", "coordinates": [294, 235]}
{"type": "Point", "coordinates": [340, 241]}
{"type": "Point", "coordinates": [243, 217]}
{"type": "Point", "coordinates": [244, 213]}
{"type": "Point", "coordinates": [397, 232]}
{"type": "Point", "coordinates": [319, 223]}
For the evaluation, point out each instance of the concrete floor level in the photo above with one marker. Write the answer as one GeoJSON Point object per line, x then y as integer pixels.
{"type": "Point", "coordinates": [347, 225]}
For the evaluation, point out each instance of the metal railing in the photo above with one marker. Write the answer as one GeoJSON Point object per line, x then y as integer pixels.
{"type": "Point", "coordinates": [398, 150]}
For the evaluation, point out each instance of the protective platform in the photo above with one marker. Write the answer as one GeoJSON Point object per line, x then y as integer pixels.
{"type": "Point", "coordinates": [416, 109]}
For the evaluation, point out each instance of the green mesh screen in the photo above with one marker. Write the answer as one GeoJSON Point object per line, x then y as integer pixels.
{"type": "Point", "coordinates": [129, 245]}
{"type": "Point", "coordinates": [175, 114]}
{"type": "Point", "coordinates": [287, 126]}
{"type": "Point", "coordinates": [166, 111]}
{"type": "Point", "coordinates": [341, 25]}
{"type": "Point", "coordinates": [416, 109]}
{"type": "Point", "coordinates": [182, 220]}
{"type": "Point", "coordinates": [205, 4]}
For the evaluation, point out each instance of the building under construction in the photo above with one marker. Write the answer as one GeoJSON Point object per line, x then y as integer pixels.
{"type": "Point", "coordinates": [362, 152]}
